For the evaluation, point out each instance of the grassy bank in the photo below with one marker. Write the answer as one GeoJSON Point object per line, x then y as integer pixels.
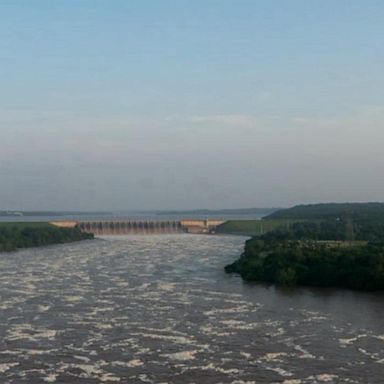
{"type": "Point", "coordinates": [253, 227]}
{"type": "Point", "coordinates": [15, 236]}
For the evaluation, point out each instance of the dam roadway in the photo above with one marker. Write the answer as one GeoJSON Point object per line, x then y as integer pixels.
{"type": "Point", "coordinates": [126, 227]}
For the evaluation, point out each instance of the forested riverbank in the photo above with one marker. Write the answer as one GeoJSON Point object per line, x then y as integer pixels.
{"type": "Point", "coordinates": [344, 249]}
{"type": "Point", "coordinates": [15, 236]}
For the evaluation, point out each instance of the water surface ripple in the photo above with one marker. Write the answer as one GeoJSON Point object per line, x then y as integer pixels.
{"type": "Point", "coordinates": [160, 309]}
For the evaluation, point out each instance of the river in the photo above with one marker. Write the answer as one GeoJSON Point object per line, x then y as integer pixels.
{"type": "Point", "coordinates": [160, 309]}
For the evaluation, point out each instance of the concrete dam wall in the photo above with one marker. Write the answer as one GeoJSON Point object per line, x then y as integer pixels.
{"type": "Point", "coordinates": [128, 227]}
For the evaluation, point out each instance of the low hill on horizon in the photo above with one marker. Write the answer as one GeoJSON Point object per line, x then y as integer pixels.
{"type": "Point", "coordinates": [330, 210]}
{"type": "Point", "coordinates": [224, 211]}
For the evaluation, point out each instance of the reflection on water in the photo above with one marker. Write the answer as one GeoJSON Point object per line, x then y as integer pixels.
{"type": "Point", "coordinates": [159, 309]}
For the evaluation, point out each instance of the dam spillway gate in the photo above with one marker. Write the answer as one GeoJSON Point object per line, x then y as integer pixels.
{"type": "Point", "coordinates": [128, 227]}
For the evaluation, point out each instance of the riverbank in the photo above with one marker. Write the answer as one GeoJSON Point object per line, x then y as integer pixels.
{"type": "Point", "coordinates": [14, 236]}
{"type": "Point", "coordinates": [326, 245]}
{"type": "Point", "coordinates": [312, 263]}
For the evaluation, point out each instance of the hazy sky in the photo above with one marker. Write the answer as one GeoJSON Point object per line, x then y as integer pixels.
{"type": "Point", "coordinates": [170, 104]}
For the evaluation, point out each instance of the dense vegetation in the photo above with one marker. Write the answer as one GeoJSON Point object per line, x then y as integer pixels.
{"type": "Point", "coordinates": [359, 266]}
{"type": "Point", "coordinates": [345, 249]}
{"type": "Point", "coordinates": [24, 235]}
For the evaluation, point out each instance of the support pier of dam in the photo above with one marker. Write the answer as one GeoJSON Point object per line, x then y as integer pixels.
{"type": "Point", "coordinates": [127, 227]}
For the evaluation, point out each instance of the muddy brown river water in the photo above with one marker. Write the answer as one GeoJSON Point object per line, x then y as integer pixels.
{"type": "Point", "coordinates": [160, 309]}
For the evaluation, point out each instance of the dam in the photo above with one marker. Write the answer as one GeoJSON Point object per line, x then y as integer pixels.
{"type": "Point", "coordinates": [127, 227]}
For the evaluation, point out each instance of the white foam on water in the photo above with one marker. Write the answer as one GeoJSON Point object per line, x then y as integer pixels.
{"type": "Point", "coordinates": [211, 330]}
{"type": "Point", "coordinates": [144, 378]}
{"type": "Point", "coordinates": [82, 358]}
{"type": "Point", "coordinates": [277, 356]}
{"type": "Point", "coordinates": [4, 367]}
{"type": "Point", "coordinates": [243, 382]}
{"type": "Point", "coordinates": [213, 367]}
{"type": "Point", "coordinates": [326, 377]}
{"type": "Point", "coordinates": [174, 339]}
{"type": "Point", "coordinates": [43, 308]}
{"type": "Point", "coordinates": [108, 378]}
{"type": "Point", "coordinates": [89, 369]}
{"type": "Point", "coordinates": [184, 355]}
{"type": "Point", "coordinates": [278, 332]}
{"type": "Point", "coordinates": [73, 299]}
{"type": "Point", "coordinates": [104, 326]}
{"type": "Point", "coordinates": [50, 378]}
{"type": "Point", "coordinates": [166, 286]}
{"type": "Point", "coordinates": [280, 371]}
{"type": "Point", "coordinates": [351, 340]}
{"type": "Point", "coordinates": [128, 364]}
{"type": "Point", "coordinates": [373, 356]}
{"type": "Point", "coordinates": [28, 332]}
{"type": "Point", "coordinates": [239, 324]}
{"type": "Point", "coordinates": [239, 309]}
{"type": "Point", "coordinates": [304, 353]}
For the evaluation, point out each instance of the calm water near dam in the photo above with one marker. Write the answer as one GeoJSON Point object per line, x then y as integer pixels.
{"type": "Point", "coordinates": [160, 309]}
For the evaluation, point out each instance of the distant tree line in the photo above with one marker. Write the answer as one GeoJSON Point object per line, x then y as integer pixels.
{"type": "Point", "coordinates": [330, 210]}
